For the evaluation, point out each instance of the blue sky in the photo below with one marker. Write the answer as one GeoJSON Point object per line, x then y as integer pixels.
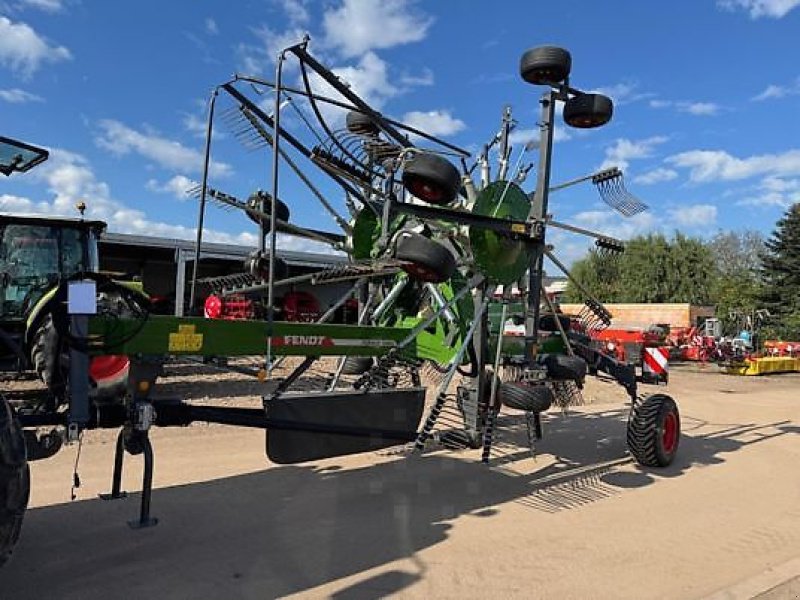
{"type": "Point", "coordinates": [706, 125]}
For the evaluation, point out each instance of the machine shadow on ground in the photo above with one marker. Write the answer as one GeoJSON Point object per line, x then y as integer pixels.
{"type": "Point", "coordinates": [289, 529]}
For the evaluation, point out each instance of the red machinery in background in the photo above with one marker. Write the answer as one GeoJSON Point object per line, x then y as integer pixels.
{"type": "Point", "coordinates": [296, 306]}
{"type": "Point", "coordinates": [646, 348]}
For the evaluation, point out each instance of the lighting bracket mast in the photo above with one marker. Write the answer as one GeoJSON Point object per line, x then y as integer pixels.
{"type": "Point", "coordinates": [550, 66]}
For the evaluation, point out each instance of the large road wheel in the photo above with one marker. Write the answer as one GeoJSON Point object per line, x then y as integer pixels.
{"type": "Point", "coordinates": [565, 367]}
{"type": "Point", "coordinates": [431, 178]}
{"type": "Point", "coordinates": [15, 480]}
{"type": "Point", "coordinates": [521, 396]}
{"type": "Point", "coordinates": [654, 431]}
{"type": "Point", "coordinates": [546, 65]}
{"type": "Point", "coordinates": [425, 259]}
{"type": "Point", "coordinates": [588, 111]}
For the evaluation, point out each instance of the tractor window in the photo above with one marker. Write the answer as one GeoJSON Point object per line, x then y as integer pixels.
{"type": "Point", "coordinates": [32, 259]}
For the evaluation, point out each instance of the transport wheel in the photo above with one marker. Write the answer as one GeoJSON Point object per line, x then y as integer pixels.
{"type": "Point", "coordinates": [431, 178]}
{"type": "Point", "coordinates": [281, 210]}
{"type": "Point", "coordinates": [426, 260]}
{"type": "Point", "coordinates": [361, 124]}
{"type": "Point", "coordinates": [546, 65]}
{"type": "Point", "coordinates": [357, 365]}
{"type": "Point", "coordinates": [563, 366]}
{"type": "Point", "coordinates": [654, 431]}
{"type": "Point", "coordinates": [521, 396]}
{"type": "Point", "coordinates": [15, 480]}
{"type": "Point", "coordinates": [588, 110]}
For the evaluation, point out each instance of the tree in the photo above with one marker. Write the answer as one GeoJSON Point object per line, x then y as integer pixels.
{"type": "Point", "coordinates": [737, 256]}
{"type": "Point", "coordinates": [652, 269]}
{"type": "Point", "coordinates": [781, 275]}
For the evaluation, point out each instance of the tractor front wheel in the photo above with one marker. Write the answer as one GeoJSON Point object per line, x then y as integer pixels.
{"type": "Point", "coordinates": [654, 431]}
{"type": "Point", "coordinates": [50, 358]}
{"type": "Point", "coordinates": [15, 483]}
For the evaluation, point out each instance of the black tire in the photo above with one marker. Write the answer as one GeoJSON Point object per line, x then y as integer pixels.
{"type": "Point", "coordinates": [431, 178]}
{"type": "Point", "coordinates": [361, 124]}
{"type": "Point", "coordinates": [426, 260]}
{"type": "Point", "coordinates": [565, 367]}
{"type": "Point", "coordinates": [521, 396]}
{"type": "Point", "coordinates": [15, 483]}
{"type": "Point", "coordinates": [357, 365]}
{"type": "Point", "coordinates": [654, 431]}
{"type": "Point", "coordinates": [282, 212]}
{"type": "Point", "coordinates": [258, 266]}
{"type": "Point", "coordinates": [48, 356]}
{"type": "Point", "coordinates": [588, 110]}
{"type": "Point", "coordinates": [548, 323]}
{"type": "Point", "coordinates": [546, 65]}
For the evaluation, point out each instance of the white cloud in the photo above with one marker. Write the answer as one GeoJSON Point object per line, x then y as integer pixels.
{"type": "Point", "coordinates": [369, 79]}
{"type": "Point", "coordinates": [18, 96]}
{"type": "Point", "coordinates": [773, 92]}
{"type": "Point", "coordinates": [699, 108]}
{"type": "Point", "coordinates": [23, 50]}
{"type": "Point", "coordinates": [625, 150]}
{"type": "Point", "coordinates": [262, 56]}
{"type": "Point", "coordinates": [296, 11]}
{"type": "Point", "coordinates": [196, 126]}
{"type": "Point", "coordinates": [655, 176]}
{"type": "Point", "coordinates": [694, 216]}
{"type": "Point", "coordinates": [358, 26]}
{"type": "Point", "coordinates": [718, 165]}
{"type": "Point", "coordinates": [525, 136]}
{"type": "Point", "coordinates": [773, 191]}
{"type": "Point", "coordinates": [775, 9]}
{"type": "Point", "coordinates": [122, 140]}
{"type": "Point", "coordinates": [51, 6]}
{"type": "Point", "coordinates": [434, 122]}
{"type": "Point", "coordinates": [69, 178]}
{"type": "Point", "coordinates": [424, 78]}
{"type": "Point", "coordinates": [622, 93]}
{"type": "Point", "coordinates": [211, 26]}
{"type": "Point", "coordinates": [611, 223]}
{"type": "Point", "coordinates": [177, 186]}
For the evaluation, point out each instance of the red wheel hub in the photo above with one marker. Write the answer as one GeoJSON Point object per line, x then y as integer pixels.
{"type": "Point", "coordinates": [103, 368]}
{"type": "Point", "coordinates": [669, 432]}
{"type": "Point", "coordinates": [425, 190]}
{"type": "Point", "coordinates": [213, 307]}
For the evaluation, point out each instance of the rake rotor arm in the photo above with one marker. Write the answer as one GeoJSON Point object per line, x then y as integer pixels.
{"type": "Point", "coordinates": [586, 232]}
{"type": "Point", "coordinates": [297, 144]}
{"type": "Point", "coordinates": [332, 80]}
{"type": "Point", "coordinates": [226, 200]}
{"type": "Point", "coordinates": [605, 173]}
{"type": "Point", "coordinates": [293, 165]}
{"type": "Point", "coordinates": [572, 279]}
{"type": "Point", "coordinates": [320, 98]}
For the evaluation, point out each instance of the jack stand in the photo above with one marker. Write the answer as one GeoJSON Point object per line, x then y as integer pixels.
{"type": "Point", "coordinates": [145, 520]}
{"type": "Point", "coordinates": [116, 479]}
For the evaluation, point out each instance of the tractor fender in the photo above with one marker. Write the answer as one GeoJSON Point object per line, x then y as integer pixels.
{"type": "Point", "coordinates": [42, 308]}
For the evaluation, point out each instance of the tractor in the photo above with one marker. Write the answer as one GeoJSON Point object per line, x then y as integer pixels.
{"type": "Point", "coordinates": [38, 256]}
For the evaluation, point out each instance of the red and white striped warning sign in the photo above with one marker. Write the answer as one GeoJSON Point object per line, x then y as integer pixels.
{"type": "Point", "coordinates": [656, 360]}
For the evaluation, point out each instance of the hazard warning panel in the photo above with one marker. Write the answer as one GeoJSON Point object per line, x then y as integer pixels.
{"type": "Point", "coordinates": [655, 364]}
